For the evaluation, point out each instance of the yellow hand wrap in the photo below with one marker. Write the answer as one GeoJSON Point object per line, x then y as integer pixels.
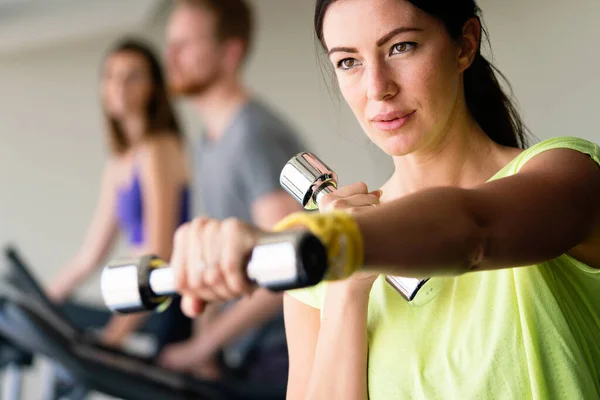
{"type": "Point", "coordinates": [340, 234]}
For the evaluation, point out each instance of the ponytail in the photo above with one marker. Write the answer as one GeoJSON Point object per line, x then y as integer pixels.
{"type": "Point", "coordinates": [490, 106]}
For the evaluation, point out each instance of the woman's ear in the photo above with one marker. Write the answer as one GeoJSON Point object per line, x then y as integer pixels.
{"type": "Point", "coordinates": [469, 43]}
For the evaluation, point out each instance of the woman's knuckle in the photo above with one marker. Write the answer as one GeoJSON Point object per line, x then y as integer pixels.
{"type": "Point", "coordinates": [210, 279]}
{"type": "Point", "coordinates": [327, 198]}
{"type": "Point", "coordinates": [213, 276]}
{"type": "Point", "coordinates": [182, 232]}
{"type": "Point", "coordinates": [212, 225]}
{"type": "Point", "coordinates": [230, 267]}
{"type": "Point", "coordinates": [361, 187]}
{"type": "Point", "coordinates": [197, 223]}
{"type": "Point", "coordinates": [233, 225]}
{"type": "Point", "coordinates": [180, 283]}
{"type": "Point", "coordinates": [338, 204]}
{"type": "Point", "coordinates": [194, 284]}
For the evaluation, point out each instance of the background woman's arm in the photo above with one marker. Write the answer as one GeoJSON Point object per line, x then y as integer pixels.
{"type": "Point", "coordinates": [97, 242]}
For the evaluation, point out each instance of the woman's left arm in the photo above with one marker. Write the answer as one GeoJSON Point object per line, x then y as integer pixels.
{"type": "Point", "coordinates": [551, 206]}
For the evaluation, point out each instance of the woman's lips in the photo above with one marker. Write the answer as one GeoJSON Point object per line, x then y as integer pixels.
{"type": "Point", "coordinates": [390, 122]}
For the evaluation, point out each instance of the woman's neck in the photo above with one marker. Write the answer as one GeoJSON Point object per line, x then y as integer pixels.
{"type": "Point", "coordinates": [463, 157]}
{"type": "Point", "coordinates": [134, 127]}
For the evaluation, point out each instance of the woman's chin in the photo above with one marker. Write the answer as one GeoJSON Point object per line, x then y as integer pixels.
{"type": "Point", "coordinates": [396, 145]}
{"type": "Point", "coordinates": [123, 111]}
{"type": "Point", "coordinates": [116, 113]}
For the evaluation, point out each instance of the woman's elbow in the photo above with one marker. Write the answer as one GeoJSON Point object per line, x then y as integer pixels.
{"type": "Point", "coordinates": [477, 236]}
{"type": "Point", "coordinates": [478, 252]}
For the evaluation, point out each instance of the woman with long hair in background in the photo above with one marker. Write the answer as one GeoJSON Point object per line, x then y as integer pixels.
{"type": "Point", "coordinates": [145, 191]}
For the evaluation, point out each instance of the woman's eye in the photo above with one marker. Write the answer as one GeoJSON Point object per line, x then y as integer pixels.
{"type": "Point", "coordinates": [403, 47]}
{"type": "Point", "coordinates": [347, 63]}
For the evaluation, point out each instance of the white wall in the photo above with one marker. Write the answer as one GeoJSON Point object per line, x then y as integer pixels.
{"type": "Point", "coordinates": [547, 49]}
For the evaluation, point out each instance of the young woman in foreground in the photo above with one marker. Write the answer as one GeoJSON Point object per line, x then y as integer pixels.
{"type": "Point", "coordinates": [511, 236]}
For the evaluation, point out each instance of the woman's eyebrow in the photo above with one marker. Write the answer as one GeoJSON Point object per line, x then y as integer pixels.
{"type": "Point", "coordinates": [384, 39]}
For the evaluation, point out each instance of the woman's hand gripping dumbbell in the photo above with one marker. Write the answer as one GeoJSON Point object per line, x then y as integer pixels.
{"type": "Point", "coordinates": [314, 185]}
{"type": "Point", "coordinates": [277, 261]}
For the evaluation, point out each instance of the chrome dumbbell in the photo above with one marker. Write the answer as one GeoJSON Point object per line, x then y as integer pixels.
{"type": "Point", "coordinates": [307, 179]}
{"type": "Point", "coordinates": [280, 261]}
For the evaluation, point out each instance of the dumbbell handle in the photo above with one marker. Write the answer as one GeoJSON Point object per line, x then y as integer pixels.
{"type": "Point", "coordinates": [271, 264]}
{"type": "Point", "coordinates": [162, 281]}
{"type": "Point", "coordinates": [280, 261]}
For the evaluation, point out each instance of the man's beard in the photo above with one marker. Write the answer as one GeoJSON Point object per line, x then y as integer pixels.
{"type": "Point", "coordinates": [192, 87]}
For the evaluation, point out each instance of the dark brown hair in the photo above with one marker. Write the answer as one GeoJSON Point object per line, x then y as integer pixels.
{"type": "Point", "coordinates": [160, 115]}
{"type": "Point", "coordinates": [491, 107]}
{"type": "Point", "coordinates": [234, 19]}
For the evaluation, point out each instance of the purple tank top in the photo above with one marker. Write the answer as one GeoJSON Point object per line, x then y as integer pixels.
{"type": "Point", "coordinates": [130, 210]}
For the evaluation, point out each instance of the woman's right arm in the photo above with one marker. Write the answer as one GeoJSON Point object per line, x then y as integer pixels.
{"type": "Point", "coordinates": [328, 359]}
{"type": "Point", "coordinates": [98, 240]}
{"type": "Point", "coordinates": [302, 324]}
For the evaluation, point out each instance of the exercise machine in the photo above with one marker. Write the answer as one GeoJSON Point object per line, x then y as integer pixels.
{"type": "Point", "coordinates": [29, 320]}
{"type": "Point", "coordinates": [14, 361]}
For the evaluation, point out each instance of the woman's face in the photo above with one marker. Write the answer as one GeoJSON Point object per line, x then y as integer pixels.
{"type": "Point", "coordinates": [398, 69]}
{"type": "Point", "coordinates": [126, 85]}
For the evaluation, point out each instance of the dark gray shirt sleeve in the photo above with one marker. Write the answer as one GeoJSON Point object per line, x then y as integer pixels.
{"type": "Point", "coordinates": [262, 159]}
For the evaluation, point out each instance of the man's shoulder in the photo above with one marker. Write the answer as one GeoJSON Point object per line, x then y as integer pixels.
{"type": "Point", "coordinates": [260, 120]}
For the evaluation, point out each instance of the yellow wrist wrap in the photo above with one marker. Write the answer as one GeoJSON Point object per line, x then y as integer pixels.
{"type": "Point", "coordinates": [340, 234]}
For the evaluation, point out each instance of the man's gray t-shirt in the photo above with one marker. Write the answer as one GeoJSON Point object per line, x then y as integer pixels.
{"type": "Point", "coordinates": [234, 172]}
{"type": "Point", "coordinates": [245, 163]}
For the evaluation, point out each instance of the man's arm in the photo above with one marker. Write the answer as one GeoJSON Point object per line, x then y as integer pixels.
{"type": "Point", "coordinates": [273, 207]}
{"type": "Point", "coordinates": [265, 154]}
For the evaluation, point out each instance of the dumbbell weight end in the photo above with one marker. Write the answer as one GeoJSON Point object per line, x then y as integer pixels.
{"type": "Point", "coordinates": [280, 261]}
